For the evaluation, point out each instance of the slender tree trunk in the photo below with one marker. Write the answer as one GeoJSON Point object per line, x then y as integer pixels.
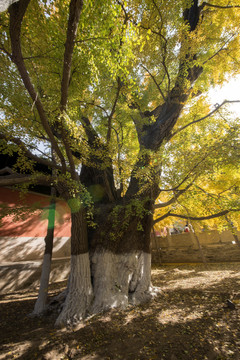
{"type": "Point", "coordinates": [194, 235]}
{"type": "Point", "coordinates": [233, 231]}
{"type": "Point", "coordinates": [41, 302]}
{"type": "Point", "coordinates": [156, 245]}
{"type": "Point", "coordinates": [236, 237]}
{"type": "Point", "coordinates": [80, 293]}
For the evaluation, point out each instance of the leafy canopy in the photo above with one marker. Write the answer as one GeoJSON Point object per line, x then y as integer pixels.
{"type": "Point", "coordinates": [129, 60]}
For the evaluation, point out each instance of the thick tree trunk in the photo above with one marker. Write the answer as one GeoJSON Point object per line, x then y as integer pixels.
{"type": "Point", "coordinates": [41, 302]}
{"type": "Point", "coordinates": [120, 279]}
{"type": "Point", "coordinates": [80, 294]}
{"type": "Point", "coordinates": [121, 260]}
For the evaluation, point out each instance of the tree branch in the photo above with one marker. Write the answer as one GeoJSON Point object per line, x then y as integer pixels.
{"type": "Point", "coordinates": [221, 49]}
{"type": "Point", "coordinates": [164, 48]}
{"type": "Point", "coordinates": [119, 147]}
{"type": "Point", "coordinates": [2, 48]}
{"type": "Point", "coordinates": [160, 218]}
{"type": "Point", "coordinates": [6, 170]}
{"type": "Point", "coordinates": [207, 193]}
{"type": "Point", "coordinates": [204, 117]}
{"type": "Point", "coordinates": [95, 105]}
{"type": "Point", "coordinates": [89, 130]}
{"type": "Point", "coordinates": [219, 6]}
{"type": "Point", "coordinates": [98, 174]}
{"type": "Point", "coordinates": [17, 12]}
{"type": "Point", "coordinates": [28, 153]}
{"type": "Point", "coordinates": [16, 179]}
{"type": "Point", "coordinates": [113, 110]}
{"type": "Point", "coordinates": [91, 39]}
{"type": "Point", "coordinates": [174, 198]}
{"type": "Point", "coordinates": [152, 135]}
{"type": "Point", "coordinates": [155, 82]}
{"type": "Point", "coordinates": [208, 217]}
{"type": "Point", "coordinates": [75, 9]}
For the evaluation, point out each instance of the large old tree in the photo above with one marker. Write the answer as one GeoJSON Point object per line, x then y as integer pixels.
{"type": "Point", "coordinates": [108, 86]}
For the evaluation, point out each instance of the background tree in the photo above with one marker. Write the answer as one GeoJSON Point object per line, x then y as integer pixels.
{"type": "Point", "coordinates": [105, 85]}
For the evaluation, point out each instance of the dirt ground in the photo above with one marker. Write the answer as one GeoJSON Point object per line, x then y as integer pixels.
{"type": "Point", "coordinates": [189, 319]}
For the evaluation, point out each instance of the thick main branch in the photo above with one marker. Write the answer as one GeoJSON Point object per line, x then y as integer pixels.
{"type": "Point", "coordinates": [17, 12]}
{"type": "Point", "coordinates": [73, 20]}
{"type": "Point", "coordinates": [75, 9]}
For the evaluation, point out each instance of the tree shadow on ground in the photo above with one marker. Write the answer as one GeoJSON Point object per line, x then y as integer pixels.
{"type": "Point", "coordinates": [26, 275]}
{"type": "Point", "coordinates": [183, 322]}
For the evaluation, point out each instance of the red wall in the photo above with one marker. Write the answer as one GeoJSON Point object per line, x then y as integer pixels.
{"type": "Point", "coordinates": [35, 224]}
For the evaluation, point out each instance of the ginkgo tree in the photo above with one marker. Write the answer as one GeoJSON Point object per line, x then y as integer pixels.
{"type": "Point", "coordinates": [209, 167]}
{"type": "Point", "coordinates": [108, 85]}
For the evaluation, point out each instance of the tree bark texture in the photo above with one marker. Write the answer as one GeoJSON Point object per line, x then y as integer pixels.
{"type": "Point", "coordinates": [120, 279]}
{"type": "Point", "coordinates": [80, 293]}
{"type": "Point", "coordinates": [122, 227]}
{"type": "Point", "coordinates": [120, 257]}
{"type": "Point", "coordinates": [117, 270]}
